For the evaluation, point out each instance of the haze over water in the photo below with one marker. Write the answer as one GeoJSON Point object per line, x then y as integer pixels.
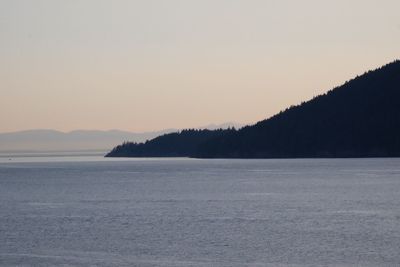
{"type": "Point", "coordinates": [181, 212]}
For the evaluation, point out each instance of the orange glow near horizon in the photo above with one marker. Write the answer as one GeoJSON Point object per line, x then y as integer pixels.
{"type": "Point", "coordinates": [152, 65]}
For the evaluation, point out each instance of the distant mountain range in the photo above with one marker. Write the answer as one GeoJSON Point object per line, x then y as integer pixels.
{"type": "Point", "coordinates": [358, 119]}
{"type": "Point", "coordinates": [79, 140]}
{"type": "Point", "coordinates": [51, 140]}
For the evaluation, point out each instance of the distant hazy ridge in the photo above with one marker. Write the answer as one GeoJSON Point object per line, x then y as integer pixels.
{"type": "Point", "coordinates": [50, 140]}
{"type": "Point", "coordinates": [80, 140]}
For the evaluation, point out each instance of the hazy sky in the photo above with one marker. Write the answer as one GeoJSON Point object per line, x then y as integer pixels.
{"type": "Point", "coordinates": [147, 65]}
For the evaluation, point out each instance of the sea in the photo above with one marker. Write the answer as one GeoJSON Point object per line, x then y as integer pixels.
{"type": "Point", "coordinates": [87, 210]}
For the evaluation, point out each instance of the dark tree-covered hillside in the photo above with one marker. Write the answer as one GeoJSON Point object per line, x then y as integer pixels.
{"type": "Point", "coordinates": [180, 144]}
{"type": "Point", "coordinates": [358, 119]}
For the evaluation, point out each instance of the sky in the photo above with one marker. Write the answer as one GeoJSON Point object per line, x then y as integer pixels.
{"type": "Point", "coordinates": [156, 64]}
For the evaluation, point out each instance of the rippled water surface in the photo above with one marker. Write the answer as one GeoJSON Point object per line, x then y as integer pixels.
{"type": "Point", "coordinates": [185, 212]}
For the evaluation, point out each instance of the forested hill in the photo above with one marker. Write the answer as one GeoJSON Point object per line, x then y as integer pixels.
{"type": "Point", "coordinates": [179, 144]}
{"type": "Point", "coordinates": [358, 119]}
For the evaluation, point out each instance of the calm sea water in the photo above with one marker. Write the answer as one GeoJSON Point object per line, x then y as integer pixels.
{"type": "Point", "coordinates": [89, 211]}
